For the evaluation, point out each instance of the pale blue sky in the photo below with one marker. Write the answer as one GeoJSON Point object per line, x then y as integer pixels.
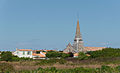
{"type": "Point", "coordinates": [52, 23]}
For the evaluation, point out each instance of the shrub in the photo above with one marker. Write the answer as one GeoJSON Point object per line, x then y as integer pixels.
{"type": "Point", "coordinates": [82, 56]}
{"type": "Point", "coordinates": [62, 61]}
{"type": "Point", "coordinates": [53, 54]}
{"type": "Point", "coordinates": [118, 68]}
{"type": "Point", "coordinates": [105, 53]}
{"type": "Point", "coordinates": [106, 69]}
{"type": "Point", "coordinates": [6, 56]}
{"type": "Point", "coordinates": [15, 58]}
{"type": "Point", "coordinates": [64, 55]}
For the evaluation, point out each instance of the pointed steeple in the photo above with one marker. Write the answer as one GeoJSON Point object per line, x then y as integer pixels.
{"type": "Point", "coordinates": [78, 45]}
{"type": "Point", "coordinates": [78, 42]}
{"type": "Point", "coordinates": [78, 35]}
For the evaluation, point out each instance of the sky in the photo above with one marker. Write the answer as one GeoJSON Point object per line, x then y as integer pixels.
{"type": "Point", "coordinates": [51, 24]}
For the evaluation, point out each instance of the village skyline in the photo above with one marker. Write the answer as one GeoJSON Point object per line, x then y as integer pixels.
{"type": "Point", "coordinates": [52, 24]}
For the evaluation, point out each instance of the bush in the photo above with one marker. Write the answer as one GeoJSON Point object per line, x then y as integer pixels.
{"type": "Point", "coordinates": [105, 53]}
{"type": "Point", "coordinates": [16, 58]}
{"type": "Point", "coordinates": [64, 55]}
{"type": "Point", "coordinates": [106, 69]}
{"type": "Point", "coordinates": [6, 56]}
{"type": "Point", "coordinates": [25, 59]}
{"type": "Point", "coordinates": [82, 56]}
{"type": "Point", "coordinates": [62, 61]}
{"type": "Point", "coordinates": [118, 68]}
{"type": "Point", "coordinates": [54, 54]}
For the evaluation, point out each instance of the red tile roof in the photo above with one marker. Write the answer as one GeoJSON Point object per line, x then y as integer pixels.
{"type": "Point", "coordinates": [40, 55]}
{"type": "Point", "coordinates": [25, 49]}
{"type": "Point", "coordinates": [94, 48]}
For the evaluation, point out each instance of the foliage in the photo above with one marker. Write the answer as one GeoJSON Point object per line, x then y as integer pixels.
{"type": "Point", "coordinates": [6, 56]}
{"type": "Point", "coordinates": [82, 56]}
{"type": "Point", "coordinates": [64, 55]}
{"type": "Point", "coordinates": [55, 54]}
{"type": "Point", "coordinates": [103, 69]}
{"type": "Point", "coordinates": [16, 58]}
{"type": "Point", "coordinates": [105, 53]}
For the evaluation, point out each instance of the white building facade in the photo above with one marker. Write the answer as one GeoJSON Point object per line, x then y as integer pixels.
{"type": "Point", "coordinates": [27, 53]}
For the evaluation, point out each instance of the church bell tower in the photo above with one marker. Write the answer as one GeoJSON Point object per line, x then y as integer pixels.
{"type": "Point", "coordinates": [78, 42]}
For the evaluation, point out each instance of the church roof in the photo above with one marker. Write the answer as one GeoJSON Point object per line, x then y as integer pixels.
{"type": "Point", "coordinates": [69, 45]}
{"type": "Point", "coordinates": [94, 48]}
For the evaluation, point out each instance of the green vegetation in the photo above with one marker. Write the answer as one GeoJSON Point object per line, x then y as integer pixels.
{"type": "Point", "coordinates": [7, 56]}
{"type": "Point", "coordinates": [6, 68]}
{"type": "Point", "coordinates": [58, 61]}
{"type": "Point", "coordinates": [16, 58]}
{"type": "Point", "coordinates": [82, 56]}
{"type": "Point", "coordinates": [55, 54]}
{"type": "Point", "coordinates": [105, 53]}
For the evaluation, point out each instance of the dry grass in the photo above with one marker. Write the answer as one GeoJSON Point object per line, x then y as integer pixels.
{"type": "Point", "coordinates": [31, 65]}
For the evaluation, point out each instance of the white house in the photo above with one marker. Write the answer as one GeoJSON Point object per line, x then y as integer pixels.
{"type": "Point", "coordinates": [23, 53]}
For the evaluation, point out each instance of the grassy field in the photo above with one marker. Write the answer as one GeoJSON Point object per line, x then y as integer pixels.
{"type": "Point", "coordinates": [103, 61]}
{"type": "Point", "coordinates": [30, 67]}
{"type": "Point", "coordinates": [61, 64]}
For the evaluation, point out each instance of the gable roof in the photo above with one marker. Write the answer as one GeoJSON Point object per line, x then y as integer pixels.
{"type": "Point", "coordinates": [40, 55]}
{"type": "Point", "coordinates": [25, 49]}
{"type": "Point", "coordinates": [94, 48]}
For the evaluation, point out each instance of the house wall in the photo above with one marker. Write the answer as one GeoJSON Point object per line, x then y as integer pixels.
{"type": "Point", "coordinates": [24, 54]}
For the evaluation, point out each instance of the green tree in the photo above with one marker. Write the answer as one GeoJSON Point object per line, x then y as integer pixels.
{"type": "Point", "coordinates": [53, 54]}
{"type": "Point", "coordinates": [82, 56]}
{"type": "Point", "coordinates": [64, 55]}
{"type": "Point", "coordinates": [6, 56]}
{"type": "Point", "coordinates": [105, 53]}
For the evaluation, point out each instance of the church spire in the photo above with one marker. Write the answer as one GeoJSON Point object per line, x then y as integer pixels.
{"type": "Point", "coordinates": [78, 35]}
{"type": "Point", "coordinates": [78, 45]}
{"type": "Point", "coordinates": [78, 42]}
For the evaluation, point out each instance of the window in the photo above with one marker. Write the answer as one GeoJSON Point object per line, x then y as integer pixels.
{"type": "Point", "coordinates": [23, 52]}
{"type": "Point", "coordinates": [80, 40]}
{"type": "Point", "coordinates": [29, 52]}
{"type": "Point", "coordinates": [37, 52]}
{"type": "Point", "coordinates": [75, 40]}
{"type": "Point", "coordinates": [17, 52]}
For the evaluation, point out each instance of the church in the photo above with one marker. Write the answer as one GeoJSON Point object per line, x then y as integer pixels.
{"type": "Point", "coordinates": [78, 45]}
